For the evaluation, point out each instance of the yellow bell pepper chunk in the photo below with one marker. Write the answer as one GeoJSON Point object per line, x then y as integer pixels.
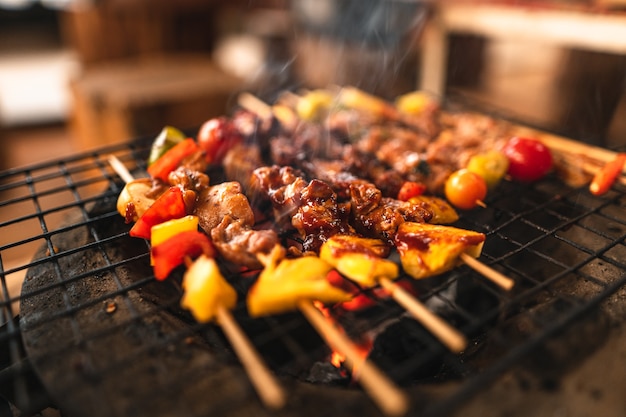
{"type": "Point", "coordinates": [427, 249]}
{"type": "Point", "coordinates": [205, 290]}
{"type": "Point", "coordinates": [413, 103]}
{"type": "Point", "coordinates": [359, 259]}
{"type": "Point", "coordinates": [314, 105]}
{"type": "Point", "coordinates": [163, 231]}
{"type": "Point", "coordinates": [285, 282]}
{"type": "Point", "coordinates": [357, 99]}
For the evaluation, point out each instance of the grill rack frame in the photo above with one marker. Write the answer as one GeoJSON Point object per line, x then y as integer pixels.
{"type": "Point", "coordinates": [87, 178]}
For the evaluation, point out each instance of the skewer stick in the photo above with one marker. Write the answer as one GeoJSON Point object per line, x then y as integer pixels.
{"type": "Point", "coordinates": [388, 397]}
{"type": "Point", "coordinates": [491, 274]}
{"type": "Point", "coordinates": [120, 169]}
{"type": "Point", "coordinates": [448, 335]}
{"type": "Point", "coordinates": [255, 105]}
{"type": "Point", "coordinates": [268, 389]}
{"type": "Point", "coordinates": [264, 382]}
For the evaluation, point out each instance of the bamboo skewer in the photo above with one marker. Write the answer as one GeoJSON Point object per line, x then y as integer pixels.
{"type": "Point", "coordinates": [268, 389]}
{"type": "Point", "coordinates": [388, 397]}
{"type": "Point", "coordinates": [266, 385]}
{"type": "Point", "coordinates": [491, 274]}
{"type": "Point", "coordinates": [449, 336]}
{"type": "Point", "coordinates": [454, 340]}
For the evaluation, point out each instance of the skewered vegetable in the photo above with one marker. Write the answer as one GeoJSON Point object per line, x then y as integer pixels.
{"type": "Point", "coordinates": [359, 259]}
{"type": "Point", "coordinates": [465, 189]}
{"type": "Point", "coordinates": [216, 137]}
{"type": "Point", "coordinates": [442, 212]}
{"type": "Point", "coordinates": [529, 159]}
{"type": "Point", "coordinates": [163, 231]}
{"type": "Point", "coordinates": [171, 253]}
{"type": "Point", "coordinates": [135, 199]}
{"type": "Point", "coordinates": [206, 290]}
{"type": "Point", "coordinates": [283, 283]}
{"type": "Point", "coordinates": [427, 250]}
{"type": "Point", "coordinates": [167, 139]}
{"type": "Point", "coordinates": [492, 166]}
{"type": "Point", "coordinates": [170, 205]}
{"type": "Point", "coordinates": [171, 159]}
{"type": "Point", "coordinates": [604, 179]}
{"type": "Point", "coordinates": [414, 103]}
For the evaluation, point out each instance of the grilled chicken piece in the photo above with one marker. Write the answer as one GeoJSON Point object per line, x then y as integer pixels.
{"type": "Point", "coordinates": [240, 244]}
{"type": "Point", "coordinates": [220, 200]}
{"type": "Point", "coordinates": [378, 217]}
{"type": "Point", "coordinates": [359, 259]}
{"type": "Point", "coordinates": [224, 213]}
{"type": "Point", "coordinates": [427, 249]}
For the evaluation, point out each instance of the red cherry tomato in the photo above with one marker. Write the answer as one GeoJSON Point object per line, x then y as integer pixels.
{"type": "Point", "coordinates": [529, 159]}
{"type": "Point", "coordinates": [216, 137]}
{"type": "Point", "coordinates": [465, 189]}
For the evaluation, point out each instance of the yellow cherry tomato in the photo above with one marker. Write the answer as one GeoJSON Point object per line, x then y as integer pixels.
{"type": "Point", "coordinates": [465, 189]}
{"type": "Point", "coordinates": [492, 166]}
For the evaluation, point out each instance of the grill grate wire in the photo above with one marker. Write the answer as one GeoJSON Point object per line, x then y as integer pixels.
{"type": "Point", "coordinates": [546, 237]}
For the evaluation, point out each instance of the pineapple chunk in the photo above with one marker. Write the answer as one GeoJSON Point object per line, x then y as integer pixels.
{"type": "Point", "coordinates": [359, 259]}
{"type": "Point", "coordinates": [205, 290]}
{"type": "Point", "coordinates": [427, 249]}
{"type": "Point", "coordinates": [443, 212]}
{"type": "Point", "coordinates": [283, 283]}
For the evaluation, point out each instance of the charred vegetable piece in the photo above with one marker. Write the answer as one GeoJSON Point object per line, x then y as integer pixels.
{"type": "Point", "coordinates": [171, 159]}
{"type": "Point", "coordinates": [167, 139]}
{"type": "Point", "coordinates": [359, 259]}
{"type": "Point", "coordinates": [172, 252]}
{"type": "Point", "coordinates": [206, 290]}
{"type": "Point", "coordinates": [133, 201]}
{"type": "Point", "coordinates": [427, 250]}
{"type": "Point", "coordinates": [170, 205]}
{"type": "Point", "coordinates": [604, 179]}
{"type": "Point", "coordinates": [283, 283]}
{"type": "Point", "coordinates": [442, 212]}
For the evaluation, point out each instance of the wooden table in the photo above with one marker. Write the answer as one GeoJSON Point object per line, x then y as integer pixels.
{"type": "Point", "coordinates": [593, 30]}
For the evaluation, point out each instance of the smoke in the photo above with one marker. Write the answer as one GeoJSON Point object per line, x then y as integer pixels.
{"type": "Point", "coordinates": [370, 44]}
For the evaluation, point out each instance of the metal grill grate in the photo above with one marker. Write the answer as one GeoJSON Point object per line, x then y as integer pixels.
{"type": "Point", "coordinates": [97, 335]}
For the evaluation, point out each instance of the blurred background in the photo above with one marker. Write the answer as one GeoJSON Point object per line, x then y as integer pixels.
{"type": "Point", "coordinates": [77, 74]}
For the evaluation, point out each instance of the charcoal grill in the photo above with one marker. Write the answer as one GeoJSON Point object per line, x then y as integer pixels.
{"type": "Point", "coordinates": [97, 335]}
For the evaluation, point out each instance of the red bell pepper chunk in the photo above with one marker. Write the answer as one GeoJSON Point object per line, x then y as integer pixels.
{"type": "Point", "coordinates": [410, 189]}
{"type": "Point", "coordinates": [170, 205]}
{"type": "Point", "coordinates": [171, 159]}
{"type": "Point", "coordinates": [604, 179]}
{"type": "Point", "coordinates": [172, 252]}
